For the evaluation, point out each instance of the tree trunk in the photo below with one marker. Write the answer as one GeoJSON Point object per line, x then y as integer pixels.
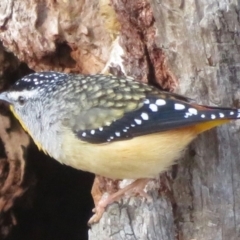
{"type": "Point", "coordinates": [201, 40]}
{"type": "Point", "coordinates": [190, 47]}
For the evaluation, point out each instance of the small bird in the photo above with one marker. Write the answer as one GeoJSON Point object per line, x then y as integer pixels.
{"type": "Point", "coordinates": [111, 126]}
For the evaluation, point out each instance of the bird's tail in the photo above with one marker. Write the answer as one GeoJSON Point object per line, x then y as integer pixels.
{"type": "Point", "coordinates": [214, 116]}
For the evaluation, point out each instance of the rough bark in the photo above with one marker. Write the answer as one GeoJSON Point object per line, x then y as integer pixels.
{"type": "Point", "coordinates": [191, 47]}
{"type": "Point", "coordinates": [57, 35]}
{"type": "Point", "coordinates": [13, 138]}
{"type": "Point", "coordinates": [201, 40]}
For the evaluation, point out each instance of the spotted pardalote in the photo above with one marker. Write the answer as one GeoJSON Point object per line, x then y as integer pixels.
{"type": "Point", "coordinates": [114, 127]}
{"type": "Point", "coordinates": [83, 121]}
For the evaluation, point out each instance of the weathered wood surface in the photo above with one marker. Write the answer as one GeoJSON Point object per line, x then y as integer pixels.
{"type": "Point", "coordinates": [201, 40]}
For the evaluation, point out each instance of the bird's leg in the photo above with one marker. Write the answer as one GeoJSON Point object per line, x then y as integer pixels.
{"type": "Point", "coordinates": [136, 187]}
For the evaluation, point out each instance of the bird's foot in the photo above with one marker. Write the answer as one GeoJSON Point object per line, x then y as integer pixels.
{"type": "Point", "coordinates": [136, 187]}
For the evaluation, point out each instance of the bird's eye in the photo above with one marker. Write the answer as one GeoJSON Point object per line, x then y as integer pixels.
{"type": "Point", "coordinates": [21, 100]}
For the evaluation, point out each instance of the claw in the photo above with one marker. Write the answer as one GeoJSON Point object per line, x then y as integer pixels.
{"type": "Point", "coordinates": [137, 187]}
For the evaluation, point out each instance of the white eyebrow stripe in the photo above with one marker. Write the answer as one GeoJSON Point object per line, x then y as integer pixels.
{"type": "Point", "coordinates": [14, 95]}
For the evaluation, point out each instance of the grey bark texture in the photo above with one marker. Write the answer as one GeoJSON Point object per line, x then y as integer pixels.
{"type": "Point", "coordinates": [201, 42]}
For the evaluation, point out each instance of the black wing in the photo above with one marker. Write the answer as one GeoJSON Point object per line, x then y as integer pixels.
{"type": "Point", "coordinates": [155, 115]}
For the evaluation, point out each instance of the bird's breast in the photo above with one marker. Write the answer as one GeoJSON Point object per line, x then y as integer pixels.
{"type": "Point", "coordinates": [141, 157]}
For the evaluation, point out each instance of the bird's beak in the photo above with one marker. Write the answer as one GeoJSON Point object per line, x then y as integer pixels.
{"type": "Point", "coordinates": [3, 97]}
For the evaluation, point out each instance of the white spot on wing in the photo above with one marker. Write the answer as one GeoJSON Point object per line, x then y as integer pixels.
{"type": "Point", "coordinates": [178, 106]}
{"type": "Point", "coordinates": [161, 102]}
{"type": "Point", "coordinates": [221, 115]}
{"type": "Point", "coordinates": [213, 116]}
{"type": "Point", "coordinates": [153, 107]}
{"type": "Point", "coordinates": [117, 134]}
{"type": "Point", "coordinates": [92, 132]}
{"type": "Point", "coordinates": [193, 111]}
{"type": "Point", "coordinates": [146, 101]}
{"type": "Point", "coordinates": [203, 116]}
{"type": "Point", "coordinates": [138, 121]}
{"type": "Point", "coordinates": [187, 114]}
{"type": "Point", "coordinates": [144, 116]}
{"type": "Point", "coordinates": [84, 134]}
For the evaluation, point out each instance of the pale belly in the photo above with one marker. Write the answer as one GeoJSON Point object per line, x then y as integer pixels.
{"type": "Point", "coordinates": [141, 157]}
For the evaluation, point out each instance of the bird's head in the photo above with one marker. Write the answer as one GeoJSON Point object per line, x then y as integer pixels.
{"type": "Point", "coordinates": [30, 93]}
{"type": "Point", "coordinates": [31, 100]}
